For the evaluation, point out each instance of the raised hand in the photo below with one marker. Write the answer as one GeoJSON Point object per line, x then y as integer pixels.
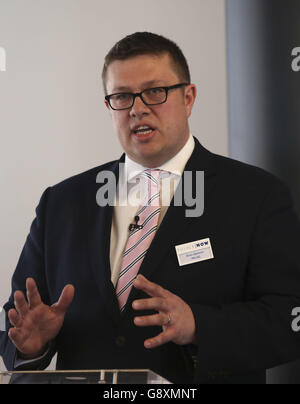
{"type": "Point", "coordinates": [174, 315]}
{"type": "Point", "coordinates": [35, 323]}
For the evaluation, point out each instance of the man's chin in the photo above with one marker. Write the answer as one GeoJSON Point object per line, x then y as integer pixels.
{"type": "Point", "coordinates": [149, 159]}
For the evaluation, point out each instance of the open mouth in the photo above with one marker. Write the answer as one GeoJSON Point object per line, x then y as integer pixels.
{"type": "Point", "coordinates": [143, 130]}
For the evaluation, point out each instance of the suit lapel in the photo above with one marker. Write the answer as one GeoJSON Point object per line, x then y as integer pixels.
{"type": "Point", "coordinates": [99, 230]}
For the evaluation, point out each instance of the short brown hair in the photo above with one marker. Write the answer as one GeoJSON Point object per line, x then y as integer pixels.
{"type": "Point", "coordinates": [147, 43]}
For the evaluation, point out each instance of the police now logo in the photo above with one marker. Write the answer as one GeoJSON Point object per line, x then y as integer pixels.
{"type": "Point", "coordinates": [202, 244]}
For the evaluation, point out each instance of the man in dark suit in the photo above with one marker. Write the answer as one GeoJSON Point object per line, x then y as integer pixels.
{"type": "Point", "coordinates": [213, 299]}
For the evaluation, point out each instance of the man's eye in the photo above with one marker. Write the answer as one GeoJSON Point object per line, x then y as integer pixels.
{"type": "Point", "coordinates": [155, 91]}
{"type": "Point", "coordinates": [122, 97]}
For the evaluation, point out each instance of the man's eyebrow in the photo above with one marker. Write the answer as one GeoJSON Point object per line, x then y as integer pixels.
{"type": "Point", "coordinates": [147, 84]}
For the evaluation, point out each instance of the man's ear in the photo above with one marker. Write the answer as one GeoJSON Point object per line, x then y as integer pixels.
{"type": "Point", "coordinates": [189, 98]}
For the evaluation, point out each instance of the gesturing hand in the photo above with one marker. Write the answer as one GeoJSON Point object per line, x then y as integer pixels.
{"type": "Point", "coordinates": [174, 315]}
{"type": "Point", "coordinates": [35, 324]}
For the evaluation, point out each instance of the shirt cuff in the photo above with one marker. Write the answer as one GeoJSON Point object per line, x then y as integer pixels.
{"type": "Point", "coordinates": [29, 364]}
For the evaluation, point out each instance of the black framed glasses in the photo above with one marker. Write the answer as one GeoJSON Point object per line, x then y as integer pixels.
{"type": "Point", "coordinates": [150, 96]}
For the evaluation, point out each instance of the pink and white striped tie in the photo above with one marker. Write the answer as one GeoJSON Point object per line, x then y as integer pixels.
{"type": "Point", "coordinates": [139, 240]}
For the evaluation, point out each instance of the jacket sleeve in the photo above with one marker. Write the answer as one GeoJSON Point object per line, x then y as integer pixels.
{"type": "Point", "coordinates": [257, 333]}
{"type": "Point", "coordinates": [31, 264]}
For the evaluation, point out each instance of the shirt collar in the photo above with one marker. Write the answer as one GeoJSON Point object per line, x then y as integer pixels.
{"type": "Point", "coordinates": [175, 165]}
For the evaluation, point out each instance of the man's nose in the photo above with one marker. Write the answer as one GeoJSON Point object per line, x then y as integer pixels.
{"type": "Point", "coordinates": [139, 108]}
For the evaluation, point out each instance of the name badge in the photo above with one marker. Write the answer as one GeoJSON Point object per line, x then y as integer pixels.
{"type": "Point", "coordinates": [196, 251]}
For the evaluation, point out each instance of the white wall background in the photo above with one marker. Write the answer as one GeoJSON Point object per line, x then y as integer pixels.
{"type": "Point", "coordinates": [53, 123]}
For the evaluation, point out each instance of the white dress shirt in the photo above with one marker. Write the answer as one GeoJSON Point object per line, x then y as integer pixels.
{"type": "Point", "coordinates": [126, 205]}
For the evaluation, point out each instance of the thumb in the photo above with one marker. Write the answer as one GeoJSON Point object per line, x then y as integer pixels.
{"type": "Point", "coordinates": [64, 300]}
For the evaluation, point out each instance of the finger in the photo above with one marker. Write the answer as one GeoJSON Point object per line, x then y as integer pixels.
{"type": "Point", "coordinates": [14, 318]}
{"type": "Point", "coordinates": [21, 304]}
{"type": "Point", "coordinates": [33, 296]}
{"type": "Point", "coordinates": [16, 336]}
{"type": "Point", "coordinates": [166, 336]}
{"type": "Point", "coordinates": [151, 288]}
{"type": "Point", "coordinates": [154, 303]}
{"type": "Point", "coordinates": [153, 320]}
{"type": "Point", "coordinates": [65, 299]}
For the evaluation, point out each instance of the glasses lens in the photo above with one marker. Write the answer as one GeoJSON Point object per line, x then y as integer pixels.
{"type": "Point", "coordinates": [154, 96]}
{"type": "Point", "coordinates": [121, 101]}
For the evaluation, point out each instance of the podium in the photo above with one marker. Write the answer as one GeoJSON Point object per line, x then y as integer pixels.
{"type": "Point", "coordinates": [104, 376]}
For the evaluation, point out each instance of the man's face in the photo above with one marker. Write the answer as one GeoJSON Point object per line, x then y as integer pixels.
{"type": "Point", "coordinates": [168, 122]}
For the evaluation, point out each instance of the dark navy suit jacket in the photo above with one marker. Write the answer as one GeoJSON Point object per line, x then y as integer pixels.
{"type": "Point", "coordinates": [242, 299]}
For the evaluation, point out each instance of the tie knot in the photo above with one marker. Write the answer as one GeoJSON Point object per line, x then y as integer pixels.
{"type": "Point", "coordinates": [152, 192]}
{"type": "Point", "coordinates": [153, 174]}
